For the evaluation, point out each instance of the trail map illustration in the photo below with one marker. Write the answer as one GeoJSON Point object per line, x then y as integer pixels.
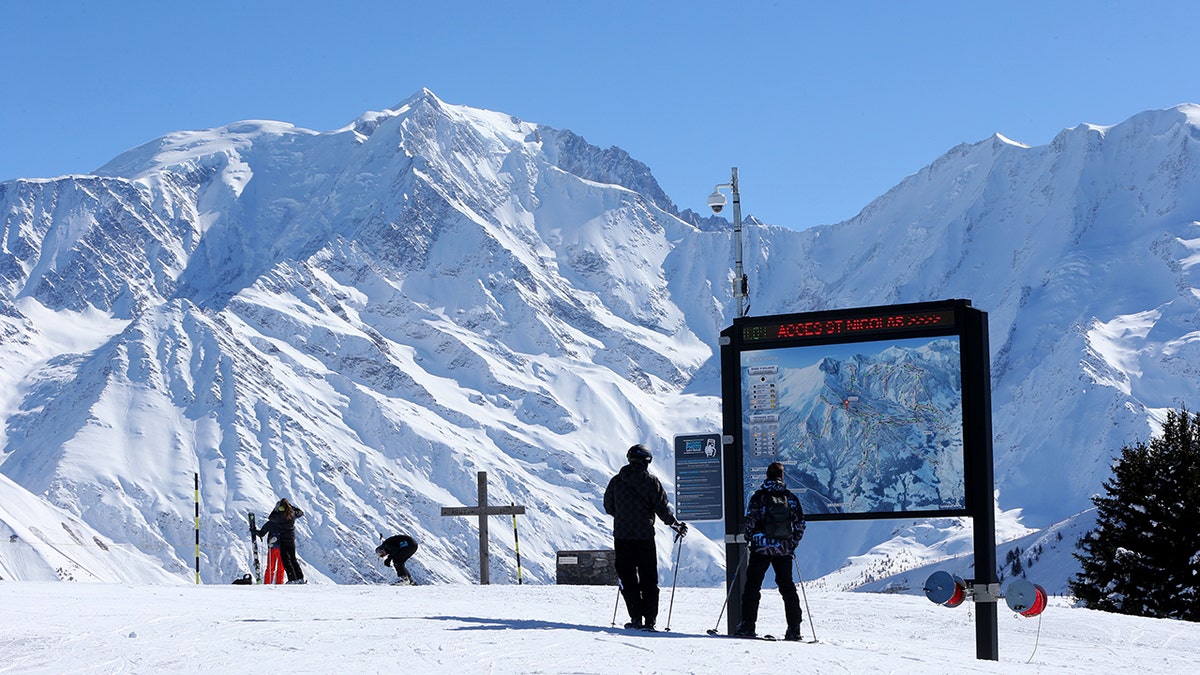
{"type": "Point", "coordinates": [866, 427]}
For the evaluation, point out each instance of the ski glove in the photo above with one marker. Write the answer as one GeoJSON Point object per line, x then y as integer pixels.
{"type": "Point", "coordinates": [680, 528]}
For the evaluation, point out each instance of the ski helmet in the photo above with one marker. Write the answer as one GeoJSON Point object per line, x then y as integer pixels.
{"type": "Point", "coordinates": [640, 454]}
{"type": "Point", "coordinates": [380, 551]}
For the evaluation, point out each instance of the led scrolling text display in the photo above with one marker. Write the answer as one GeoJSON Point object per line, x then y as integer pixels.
{"type": "Point", "coordinates": [848, 326]}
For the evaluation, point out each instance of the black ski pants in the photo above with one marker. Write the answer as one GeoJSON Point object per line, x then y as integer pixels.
{"type": "Point", "coordinates": [756, 571]}
{"type": "Point", "coordinates": [636, 561]}
{"type": "Point", "coordinates": [287, 556]}
{"type": "Point", "coordinates": [397, 558]}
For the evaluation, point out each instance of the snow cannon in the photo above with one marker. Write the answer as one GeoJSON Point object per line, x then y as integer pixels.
{"type": "Point", "coordinates": [946, 589]}
{"type": "Point", "coordinates": [1025, 598]}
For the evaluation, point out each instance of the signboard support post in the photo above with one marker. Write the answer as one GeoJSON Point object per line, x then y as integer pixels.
{"type": "Point", "coordinates": [735, 497]}
{"type": "Point", "coordinates": [977, 437]}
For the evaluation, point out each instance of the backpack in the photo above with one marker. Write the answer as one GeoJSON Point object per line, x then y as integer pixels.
{"type": "Point", "coordinates": [776, 522]}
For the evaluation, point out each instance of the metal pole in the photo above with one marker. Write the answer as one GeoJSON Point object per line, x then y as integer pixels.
{"type": "Point", "coordinates": [197, 474]}
{"type": "Point", "coordinates": [981, 482]}
{"type": "Point", "coordinates": [516, 543]}
{"type": "Point", "coordinates": [740, 276]}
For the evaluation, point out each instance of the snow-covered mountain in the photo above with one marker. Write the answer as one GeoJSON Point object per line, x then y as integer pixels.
{"type": "Point", "coordinates": [42, 543]}
{"type": "Point", "coordinates": [361, 319]}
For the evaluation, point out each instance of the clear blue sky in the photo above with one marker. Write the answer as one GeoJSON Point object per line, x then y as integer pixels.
{"type": "Point", "coordinates": [822, 106]}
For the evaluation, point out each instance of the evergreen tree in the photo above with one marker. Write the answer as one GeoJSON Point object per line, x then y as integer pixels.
{"type": "Point", "coordinates": [1143, 557]}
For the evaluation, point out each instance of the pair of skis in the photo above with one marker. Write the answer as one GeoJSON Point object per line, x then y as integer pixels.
{"type": "Point", "coordinates": [254, 551]}
{"type": "Point", "coordinates": [764, 638]}
{"type": "Point", "coordinates": [714, 633]}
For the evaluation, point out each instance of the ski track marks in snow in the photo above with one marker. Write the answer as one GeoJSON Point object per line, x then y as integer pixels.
{"type": "Point", "coordinates": [322, 628]}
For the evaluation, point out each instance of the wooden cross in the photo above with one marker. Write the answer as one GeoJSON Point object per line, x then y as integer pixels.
{"type": "Point", "coordinates": [483, 511]}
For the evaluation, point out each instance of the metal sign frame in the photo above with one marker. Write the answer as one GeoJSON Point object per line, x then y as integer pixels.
{"type": "Point", "coordinates": [947, 317]}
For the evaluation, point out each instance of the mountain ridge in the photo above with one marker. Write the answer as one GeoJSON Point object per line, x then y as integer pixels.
{"type": "Point", "coordinates": [360, 321]}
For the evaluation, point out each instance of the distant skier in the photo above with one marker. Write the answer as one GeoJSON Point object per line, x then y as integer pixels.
{"type": "Point", "coordinates": [396, 551]}
{"type": "Point", "coordinates": [270, 531]}
{"type": "Point", "coordinates": [775, 524]}
{"type": "Point", "coordinates": [282, 522]}
{"type": "Point", "coordinates": [633, 498]}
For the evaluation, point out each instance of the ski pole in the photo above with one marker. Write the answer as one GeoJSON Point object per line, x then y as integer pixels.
{"type": "Point", "coordinates": [803, 592]}
{"type": "Point", "coordinates": [732, 585]}
{"type": "Point", "coordinates": [616, 603]}
{"type": "Point", "coordinates": [516, 543]}
{"type": "Point", "coordinates": [674, 577]}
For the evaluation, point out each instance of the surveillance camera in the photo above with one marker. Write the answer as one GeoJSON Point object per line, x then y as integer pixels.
{"type": "Point", "coordinates": [716, 201]}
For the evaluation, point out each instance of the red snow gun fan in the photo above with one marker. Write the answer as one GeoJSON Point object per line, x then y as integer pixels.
{"type": "Point", "coordinates": [1026, 598]}
{"type": "Point", "coordinates": [1023, 597]}
{"type": "Point", "coordinates": [946, 589]}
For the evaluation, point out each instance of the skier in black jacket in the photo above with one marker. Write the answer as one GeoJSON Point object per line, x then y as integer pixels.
{"type": "Point", "coordinates": [633, 498]}
{"type": "Point", "coordinates": [282, 521]}
{"type": "Point", "coordinates": [396, 551]}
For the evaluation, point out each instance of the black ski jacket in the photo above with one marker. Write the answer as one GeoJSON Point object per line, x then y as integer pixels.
{"type": "Point", "coordinates": [283, 526]}
{"type": "Point", "coordinates": [270, 532]}
{"type": "Point", "coordinates": [633, 498]}
{"type": "Point", "coordinates": [400, 546]}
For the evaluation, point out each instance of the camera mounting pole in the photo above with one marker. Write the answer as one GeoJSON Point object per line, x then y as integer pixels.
{"type": "Point", "coordinates": [716, 201]}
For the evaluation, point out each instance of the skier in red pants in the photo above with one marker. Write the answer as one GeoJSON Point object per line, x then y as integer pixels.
{"type": "Point", "coordinates": [274, 572]}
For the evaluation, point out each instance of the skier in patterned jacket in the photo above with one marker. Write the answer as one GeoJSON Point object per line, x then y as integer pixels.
{"type": "Point", "coordinates": [633, 498]}
{"type": "Point", "coordinates": [774, 524]}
